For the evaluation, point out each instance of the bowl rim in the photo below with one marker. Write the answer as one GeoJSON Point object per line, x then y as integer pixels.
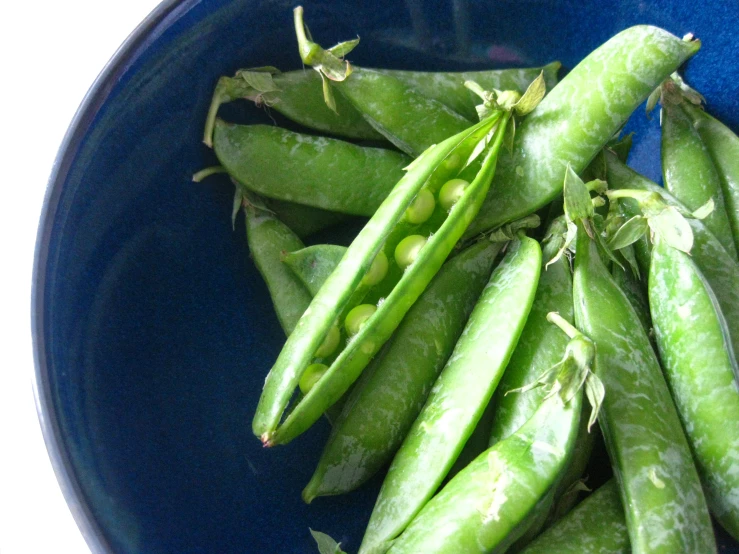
{"type": "Point", "coordinates": [145, 33]}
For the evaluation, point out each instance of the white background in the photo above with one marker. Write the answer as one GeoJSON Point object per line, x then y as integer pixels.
{"type": "Point", "coordinates": [50, 53]}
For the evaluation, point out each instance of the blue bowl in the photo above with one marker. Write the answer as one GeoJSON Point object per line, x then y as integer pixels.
{"type": "Point", "coordinates": [153, 331]}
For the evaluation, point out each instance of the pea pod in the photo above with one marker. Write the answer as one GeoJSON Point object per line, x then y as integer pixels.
{"type": "Point", "coordinates": [687, 168]}
{"type": "Point", "coordinates": [723, 147]}
{"type": "Point", "coordinates": [701, 370]}
{"type": "Point", "coordinates": [718, 267]}
{"type": "Point", "coordinates": [314, 171]}
{"type": "Point", "coordinates": [268, 238]}
{"type": "Point", "coordinates": [393, 389]}
{"type": "Point", "coordinates": [297, 95]}
{"type": "Point", "coordinates": [595, 526]}
{"type": "Point", "coordinates": [485, 507]}
{"type": "Point", "coordinates": [458, 397]}
{"type": "Point", "coordinates": [314, 264]}
{"type": "Point", "coordinates": [658, 482]}
{"type": "Point", "coordinates": [385, 236]}
{"type": "Point", "coordinates": [577, 118]}
{"type": "Point", "coordinates": [405, 117]}
{"type": "Point", "coordinates": [304, 220]}
{"type": "Point", "coordinates": [635, 291]}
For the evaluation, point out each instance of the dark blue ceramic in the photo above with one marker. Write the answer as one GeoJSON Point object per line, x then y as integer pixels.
{"type": "Point", "coordinates": [153, 331]}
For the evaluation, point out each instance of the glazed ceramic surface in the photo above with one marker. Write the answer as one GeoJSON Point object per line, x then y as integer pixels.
{"type": "Point", "coordinates": [153, 330]}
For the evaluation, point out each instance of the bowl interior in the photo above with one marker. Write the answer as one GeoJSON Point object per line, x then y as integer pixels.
{"type": "Point", "coordinates": [154, 331]}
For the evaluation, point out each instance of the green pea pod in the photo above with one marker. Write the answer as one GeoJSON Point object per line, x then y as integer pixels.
{"type": "Point", "coordinates": [384, 236]}
{"type": "Point", "coordinates": [458, 397]}
{"type": "Point", "coordinates": [701, 370]}
{"type": "Point", "coordinates": [688, 170]}
{"type": "Point", "coordinates": [304, 220]}
{"type": "Point", "coordinates": [718, 267]}
{"type": "Point", "coordinates": [665, 507]}
{"type": "Point", "coordinates": [297, 95]}
{"type": "Point", "coordinates": [486, 506]}
{"type": "Point", "coordinates": [541, 343]}
{"type": "Point", "coordinates": [635, 292]}
{"type": "Point", "coordinates": [393, 389]}
{"type": "Point", "coordinates": [314, 171]}
{"type": "Point", "coordinates": [405, 117]}
{"type": "Point", "coordinates": [723, 146]}
{"type": "Point", "coordinates": [577, 118]}
{"type": "Point", "coordinates": [595, 526]}
{"type": "Point", "coordinates": [314, 264]}
{"type": "Point", "coordinates": [268, 238]}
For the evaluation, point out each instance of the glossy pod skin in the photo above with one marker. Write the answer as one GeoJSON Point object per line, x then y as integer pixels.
{"type": "Point", "coordinates": [384, 231]}
{"type": "Point", "coordinates": [635, 291]}
{"type": "Point", "coordinates": [485, 507]}
{"type": "Point", "coordinates": [723, 147]}
{"type": "Point", "coordinates": [577, 118]}
{"type": "Point", "coordinates": [665, 507]}
{"type": "Point", "coordinates": [304, 220]}
{"type": "Point", "coordinates": [701, 370]}
{"type": "Point", "coordinates": [458, 397]}
{"type": "Point", "coordinates": [394, 387]}
{"type": "Point", "coordinates": [299, 97]}
{"type": "Point", "coordinates": [718, 267]}
{"type": "Point", "coordinates": [314, 264]}
{"type": "Point", "coordinates": [688, 170]}
{"type": "Point", "coordinates": [595, 526]}
{"type": "Point", "coordinates": [314, 171]}
{"type": "Point", "coordinates": [268, 239]}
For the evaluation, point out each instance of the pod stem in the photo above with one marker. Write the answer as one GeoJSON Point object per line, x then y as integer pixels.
{"type": "Point", "coordinates": [207, 172]}
{"type": "Point", "coordinates": [562, 323]}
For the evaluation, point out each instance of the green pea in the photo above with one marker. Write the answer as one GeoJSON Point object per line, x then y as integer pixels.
{"type": "Point", "coordinates": [688, 170]}
{"type": "Point", "coordinates": [377, 271]}
{"type": "Point", "coordinates": [451, 192]}
{"type": "Point", "coordinates": [357, 317]}
{"type": "Point", "coordinates": [661, 493]}
{"type": "Point", "coordinates": [408, 250]}
{"type": "Point", "coordinates": [577, 118]}
{"type": "Point", "coordinates": [421, 208]}
{"type": "Point", "coordinates": [330, 343]}
{"type": "Point", "coordinates": [596, 525]}
{"type": "Point", "coordinates": [310, 377]}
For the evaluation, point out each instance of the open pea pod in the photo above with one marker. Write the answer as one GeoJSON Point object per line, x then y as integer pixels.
{"type": "Point", "coordinates": [723, 146]}
{"type": "Point", "coordinates": [313, 171]}
{"type": "Point", "coordinates": [297, 95]}
{"type": "Point", "coordinates": [485, 508]}
{"type": "Point", "coordinates": [577, 118]}
{"type": "Point", "coordinates": [406, 241]}
{"type": "Point", "coordinates": [459, 396]}
{"type": "Point", "coordinates": [666, 510]}
{"type": "Point", "coordinates": [375, 421]}
{"type": "Point", "coordinates": [701, 369]}
{"type": "Point", "coordinates": [596, 525]}
{"type": "Point", "coordinates": [719, 268]}
{"type": "Point", "coordinates": [687, 168]}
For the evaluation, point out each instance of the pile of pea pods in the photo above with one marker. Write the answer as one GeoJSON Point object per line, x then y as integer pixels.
{"type": "Point", "coordinates": [515, 291]}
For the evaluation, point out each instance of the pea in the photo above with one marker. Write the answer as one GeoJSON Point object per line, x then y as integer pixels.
{"type": "Point", "coordinates": [377, 271]}
{"type": "Point", "coordinates": [357, 317]}
{"type": "Point", "coordinates": [330, 343]}
{"type": "Point", "coordinates": [310, 377]}
{"type": "Point", "coordinates": [421, 208]}
{"type": "Point", "coordinates": [451, 192]}
{"type": "Point", "coordinates": [408, 250]}
{"type": "Point", "coordinates": [577, 118]}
